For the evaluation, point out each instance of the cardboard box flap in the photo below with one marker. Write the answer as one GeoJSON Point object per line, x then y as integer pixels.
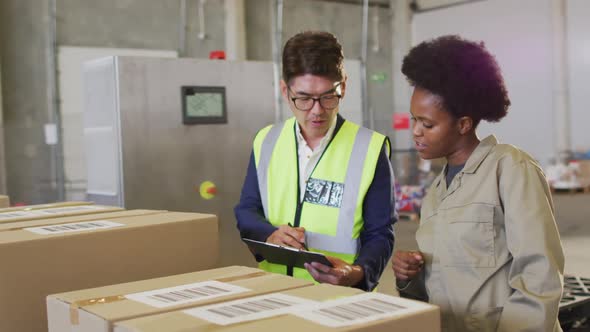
{"type": "Point", "coordinates": [45, 206]}
{"type": "Point", "coordinates": [64, 220]}
{"type": "Point", "coordinates": [54, 212]}
{"type": "Point", "coordinates": [119, 224]}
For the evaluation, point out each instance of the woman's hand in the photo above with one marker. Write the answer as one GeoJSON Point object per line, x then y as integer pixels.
{"type": "Point", "coordinates": [407, 264]}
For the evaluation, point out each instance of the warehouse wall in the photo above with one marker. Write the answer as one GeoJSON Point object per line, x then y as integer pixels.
{"type": "Point", "coordinates": [145, 24]}
{"type": "Point", "coordinates": [524, 47]}
{"type": "Point", "coordinates": [154, 24]}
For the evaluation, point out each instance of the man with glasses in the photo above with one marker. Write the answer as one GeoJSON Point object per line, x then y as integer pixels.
{"type": "Point", "coordinates": [317, 181]}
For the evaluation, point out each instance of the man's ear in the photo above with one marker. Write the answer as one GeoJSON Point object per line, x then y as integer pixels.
{"type": "Point", "coordinates": [465, 125]}
{"type": "Point", "coordinates": [343, 86]}
{"type": "Point", "coordinates": [284, 90]}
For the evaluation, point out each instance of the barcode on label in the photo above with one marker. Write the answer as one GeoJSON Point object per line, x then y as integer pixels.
{"type": "Point", "coordinates": [190, 293]}
{"type": "Point", "coordinates": [248, 309]}
{"type": "Point", "coordinates": [359, 309]}
{"type": "Point", "coordinates": [8, 215]}
{"type": "Point", "coordinates": [74, 227]}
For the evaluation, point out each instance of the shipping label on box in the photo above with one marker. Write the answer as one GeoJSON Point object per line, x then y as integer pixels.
{"type": "Point", "coordinates": [249, 309]}
{"type": "Point", "coordinates": [359, 309]}
{"type": "Point", "coordinates": [74, 227]}
{"type": "Point", "coordinates": [183, 294]}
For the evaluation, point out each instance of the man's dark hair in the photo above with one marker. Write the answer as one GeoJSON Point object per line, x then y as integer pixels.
{"type": "Point", "coordinates": [463, 73]}
{"type": "Point", "coordinates": [313, 52]}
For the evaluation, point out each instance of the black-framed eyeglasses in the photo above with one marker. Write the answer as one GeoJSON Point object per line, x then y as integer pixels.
{"type": "Point", "coordinates": [327, 101]}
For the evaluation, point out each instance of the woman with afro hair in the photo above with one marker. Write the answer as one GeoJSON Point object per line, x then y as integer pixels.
{"type": "Point", "coordinates": [489, 251]}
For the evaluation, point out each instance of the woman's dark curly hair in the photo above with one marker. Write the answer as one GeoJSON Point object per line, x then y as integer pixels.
{"type": "Point", "coordinates": [463, 73]}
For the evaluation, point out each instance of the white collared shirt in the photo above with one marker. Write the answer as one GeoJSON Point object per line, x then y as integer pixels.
{"type": "Point", "coordinates": [308, 158]}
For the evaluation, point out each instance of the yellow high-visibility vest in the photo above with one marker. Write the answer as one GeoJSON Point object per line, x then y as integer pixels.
{"type": "Point", "coordinates": [332, 207]}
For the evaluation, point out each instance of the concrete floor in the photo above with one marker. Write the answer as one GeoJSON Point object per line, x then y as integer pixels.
{"type": "Point", "coordinates": [572, 213]}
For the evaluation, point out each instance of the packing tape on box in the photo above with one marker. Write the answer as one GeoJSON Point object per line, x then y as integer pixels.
{"type": "Point", "coordinates": [76, 305]}
{"type": "Point", "coordinates": [74, 317]}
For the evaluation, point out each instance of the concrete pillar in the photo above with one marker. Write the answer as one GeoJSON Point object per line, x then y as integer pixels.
{"type": "Point", "coordinates": [23, 31]}
{"type": "Point", "coordinates": [561, 103]}
{"type": "Point", "coordinates": [401, 43]}
{"type": "Point", "coordinates": [235, 30]}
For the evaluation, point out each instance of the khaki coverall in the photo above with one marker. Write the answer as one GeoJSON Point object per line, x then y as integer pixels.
{"type": "Point", "coordinates": [493, 257]}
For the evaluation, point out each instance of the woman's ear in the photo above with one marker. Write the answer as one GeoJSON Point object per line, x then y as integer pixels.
{"type": "Point", "coordinates": [465, 125]}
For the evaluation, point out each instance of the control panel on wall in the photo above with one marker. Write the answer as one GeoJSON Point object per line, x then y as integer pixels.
{"type": "Point", "coordinates": [203, 105]}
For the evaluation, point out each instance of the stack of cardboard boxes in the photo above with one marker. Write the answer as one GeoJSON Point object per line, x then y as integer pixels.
{"type": "Point", "coordinates": [115, 270]}
{"type": "Point", "coordinates": [64, 247]}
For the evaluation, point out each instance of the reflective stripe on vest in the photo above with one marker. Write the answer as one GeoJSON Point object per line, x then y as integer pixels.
{"type": "Point", "coordinates": [343, 241]}
{"type": "Point", "coordinates": [268, 145]}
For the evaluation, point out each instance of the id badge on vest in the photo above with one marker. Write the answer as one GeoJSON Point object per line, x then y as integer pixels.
{"type": "Point", "coordinates": [323, 192]}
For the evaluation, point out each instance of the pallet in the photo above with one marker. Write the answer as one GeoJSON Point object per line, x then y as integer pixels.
{"type": "Point", "coordinates": [576, 190]}
{"type": "Point", "coordinates": [409, 216]}
{"type": "Point", "coordinates": [574, 307]}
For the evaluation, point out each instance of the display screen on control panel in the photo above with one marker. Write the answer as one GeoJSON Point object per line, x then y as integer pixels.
{"type": "Point", "coordinates": [203, 105]}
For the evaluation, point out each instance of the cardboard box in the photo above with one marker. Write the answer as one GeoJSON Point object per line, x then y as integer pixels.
{"type": "Point", "coordinates": [78, 311]}
{"type": "Point", "coordinates": [337, 309]}
{"type": "Point", "coordinates": [39, 261]}
{"type": "Point", "coordinates": [54, 212]}
{"type": "Point", "coordinates": [4, 201]}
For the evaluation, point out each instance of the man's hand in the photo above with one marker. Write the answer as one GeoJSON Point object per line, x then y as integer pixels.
{"type": "Point", "coordinates": [341, 273]}
{"type": "Point", "coordinates": [407, 264]}
{"type": "Point", "coordinates": [288, 236]}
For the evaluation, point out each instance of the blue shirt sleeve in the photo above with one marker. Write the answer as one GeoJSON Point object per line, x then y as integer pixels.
{"type": "Point", "coordinates": [249, 212]}
{"type": "Point", "coordinates": [379, 215]}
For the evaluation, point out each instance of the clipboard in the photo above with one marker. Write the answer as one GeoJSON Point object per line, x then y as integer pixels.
{"type": "Point", "coordinates": [285, 255]}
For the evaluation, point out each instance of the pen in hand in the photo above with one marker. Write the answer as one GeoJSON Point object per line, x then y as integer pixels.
{"type": "Point", "coordinates": [304, 239]}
